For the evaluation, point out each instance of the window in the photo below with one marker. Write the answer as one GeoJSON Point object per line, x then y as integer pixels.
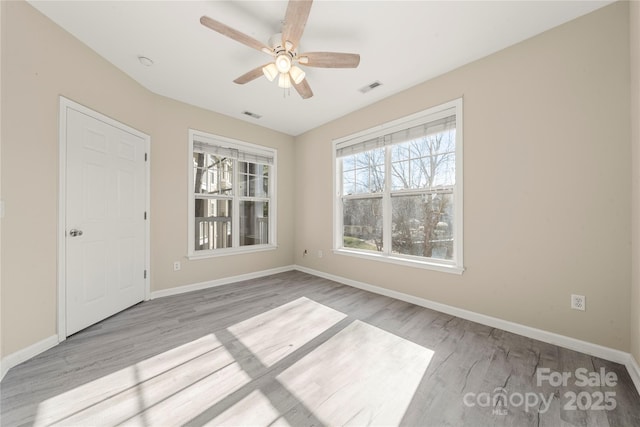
{"type": "Point", "coordinates": [232, 197]}
{"type": "Point", "coordinates": [399, 190]}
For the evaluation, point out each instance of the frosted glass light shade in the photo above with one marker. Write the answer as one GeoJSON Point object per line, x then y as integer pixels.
{"type": "Point", "coordinates": [284, 81]}
{"type": "Point", "coordinates": [297, 75]}
{"type": "Point", "coordinates": [270, 71]}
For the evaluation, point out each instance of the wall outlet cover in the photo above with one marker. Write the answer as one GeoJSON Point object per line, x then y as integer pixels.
{"type": "Point", "coordinates": [578, 302]}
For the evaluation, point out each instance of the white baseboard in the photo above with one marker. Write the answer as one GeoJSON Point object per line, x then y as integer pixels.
{"type": "Point", "coordinates": [219, 282]}
{"type": "Point", "coordinates": [27, 353]}
{"type": "Point", "coordinates": [634, 371]}
{"type": "Point", "coordinates": [516, 328]}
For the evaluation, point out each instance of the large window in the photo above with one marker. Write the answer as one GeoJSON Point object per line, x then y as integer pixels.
{"type": "Point", "coordinates": [232, 201]}
{"type": "Point", "coordinates": [399, 190]}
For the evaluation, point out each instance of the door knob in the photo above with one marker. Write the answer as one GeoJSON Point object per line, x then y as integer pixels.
{"type": "Point", "coordinates": [75, 233]}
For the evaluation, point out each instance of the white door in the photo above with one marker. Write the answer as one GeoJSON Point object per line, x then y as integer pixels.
{"type": "Point", "coordinates": [105, 220]}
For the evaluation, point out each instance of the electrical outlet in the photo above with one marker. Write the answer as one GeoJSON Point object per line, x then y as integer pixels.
{"type": "Point", "coordinates": [176, 266]}
{"type": "Point", "coordinates": [320, 254]}
{"type": "Point", "coordinates": [578, 302]}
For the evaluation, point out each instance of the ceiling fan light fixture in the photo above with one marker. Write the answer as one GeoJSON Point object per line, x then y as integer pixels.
{"type": "Point", "coordinates": [297, 75]}
{"type": "Point", "coordinates": [283, 49]}
{"type": "Point", "coordinates": [284, 81]}
{"type": "Point", "coordinates": [283, 63]}
{"type": "Point", "coordinates": [270, 71]}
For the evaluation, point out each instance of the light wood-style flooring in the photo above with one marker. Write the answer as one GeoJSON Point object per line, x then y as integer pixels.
{"type": "Point", "coordinates": [294, 349]}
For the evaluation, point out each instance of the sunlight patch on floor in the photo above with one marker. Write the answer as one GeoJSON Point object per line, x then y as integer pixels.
{"type": "Point", "coordinates": [185, 379]}
{"type": "Point", "coordinates": [254, 410]}
{"type": "Point", "coordinates": [361, 376]}
{"type": "Point", "coordinates": [275, 334]}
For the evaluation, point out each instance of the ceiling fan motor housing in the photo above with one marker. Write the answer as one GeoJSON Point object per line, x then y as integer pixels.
{"type": "Point", "coordinates": [275, 42]}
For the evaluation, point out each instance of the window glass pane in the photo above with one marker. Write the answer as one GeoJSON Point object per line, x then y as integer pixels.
{"type": "Point", "coordinates": [447, 141]}
{"type": "Point", "coordinates": [445, 170]}
{"type": "Point", "coordinates": [400, 175]}
{"type": "Point", "coordinates": [348, 163]}
{"type": "Point", "coordinates": [363, 172]}
{"type": "Point", "coordinates": [349, 181]}
{"type": "Point", "coordinates": [212, 224]}
{"type": "Point", "coordinates": [422, 225]}
{"type": "Point", "coordinates": [420, 172]}
{"type": "Point", "coordinates": [253, 179]}
{"type": "Point", "coordinates": [212, 174]}
{"type": "Point", "coordinates": [436, 143]}
{"type": "Point", "coordinates": [254, 223]}
{"type": "Point", "coordinates": [362, 180]}
{"type": "Point", "coordinates": [424, 163]}
{"type": "Point", "coordinates": [399, 152]}
{"type": "Point", "coordinates": [199, 173]}
{"type": "Point", "coordinates": [362, 220]}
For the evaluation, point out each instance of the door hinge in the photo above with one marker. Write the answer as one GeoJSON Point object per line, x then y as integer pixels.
{"type": "Point", "coordinates": [145, 157]}
{"type": "Point", "coordinates": [145, 274]}
{"type": "Point", "coordinates": [145, 215]}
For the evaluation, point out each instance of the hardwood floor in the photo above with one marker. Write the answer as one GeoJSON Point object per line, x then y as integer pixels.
{"type": "Point", "coordinates": [294, 349]}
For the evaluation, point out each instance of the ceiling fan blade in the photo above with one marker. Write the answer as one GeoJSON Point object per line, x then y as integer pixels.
{"type": "Point", "coordinates": [250, 76]}
{"type": "Point", "coordinates": [294, 22]}
{"type": "Point", "coordinates": [236, 35]}
{"type": "Point", "coordinates": [329, 59]}
{"type": "Point", "coordinates": [304, 89]}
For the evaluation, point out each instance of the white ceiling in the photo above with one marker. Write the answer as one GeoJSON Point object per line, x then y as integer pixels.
{"type": "Point", "coordinates": [401, 43]}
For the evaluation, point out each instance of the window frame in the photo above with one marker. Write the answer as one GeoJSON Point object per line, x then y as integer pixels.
{"type": "Point", "coordinates": [196, 136]}
{"type": "Point", "coordinates": [456, 265]}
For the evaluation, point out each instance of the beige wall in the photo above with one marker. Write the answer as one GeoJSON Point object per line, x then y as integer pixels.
{"type": "Point", "coordinates": [40, 61]}
{"type": "Point", "coordinates": [635, 144]}
{"type": "Point", "coordinates": [546, 179]}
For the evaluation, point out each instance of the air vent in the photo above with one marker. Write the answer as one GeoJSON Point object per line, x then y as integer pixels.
{"type": "Point", "coordinates": [252, 115]}
{"type": "Point", "coordinates": [370, 87]}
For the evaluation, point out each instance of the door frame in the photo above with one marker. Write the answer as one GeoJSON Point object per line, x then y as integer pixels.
{"type": "Point", "coordinates": [65, 105]}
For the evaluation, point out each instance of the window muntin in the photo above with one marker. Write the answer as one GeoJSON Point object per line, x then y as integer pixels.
{"type": "Point", "coordinates": [232, 196]}
{"type": "Point", "coordinates": [399, 190]}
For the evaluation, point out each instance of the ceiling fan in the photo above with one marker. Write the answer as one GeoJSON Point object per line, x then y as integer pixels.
{"type": "Point", "coordinates": [283, 48]}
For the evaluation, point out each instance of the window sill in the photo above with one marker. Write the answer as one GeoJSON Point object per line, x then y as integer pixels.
{"type": "Point", "coordinates": [230, 251]}
{"type": "Point", "coordinates": [428, 265]}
